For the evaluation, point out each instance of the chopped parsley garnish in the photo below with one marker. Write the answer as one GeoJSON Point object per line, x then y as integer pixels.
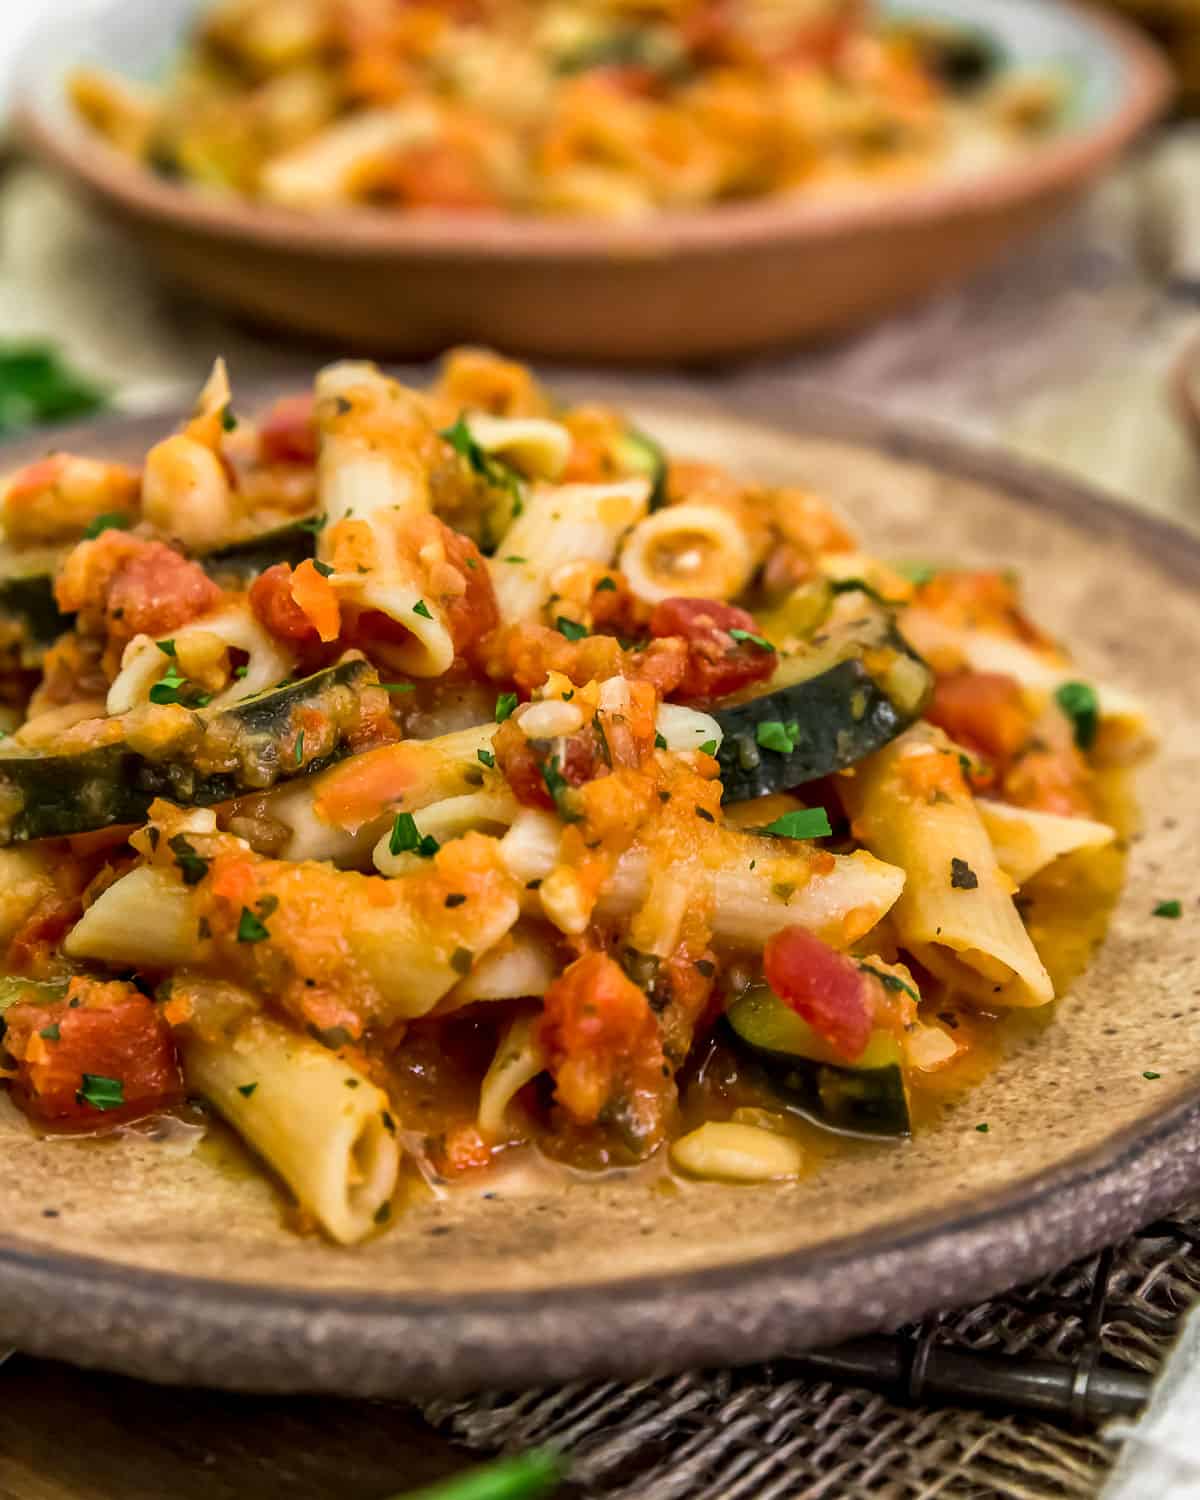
{"type": "Point", "coordinates": [1151, 1075]}
{"type": "Point", "coordinates": [246, 1089]}
{"type": "Point", "coordinates": [250, 929]}
{"type": "Point", "coordinates": [241, 671]}
{"type": "Point", "coordinates": [704, 814]}
{"type": "Point", "coordinates": [705, 966]}
{"type": "Point", "coordinates": [229, 421]}
{"type": "Point", "coordinates": [422, 609]}
{"type": "Point", "coordinates": [461, 960]}
{"type": "Point", "coordinates": [498, 475]}
{"type": "Point", "coordinates": [398, 687]}
{"type": "Point", "coordinates": [314, 524]}
{"type": "Point", "coordinates": [513, 557]}
{"type": "Point", "coordinates": [962, 877]}
{"type": "Point", "coordinates": [456, 898]}
{"type": "Point", "coordinates": [773, 734]}
{"type": "Point", "coordinates": [754, 640]}
{"type": "Point", "coordinates": [486, 758]}
{"type": "Point", "coordinates": [558, 787]}
{"type": "Point", "coordinates": [323, 568]}
{"type": "Point", "coordinates": [804, 823]}
{"type": "Point", "coordinates": [383, 1213]}
{"type": "Point", "coordinates": [505, 704]}
{"type": "Point", "coordinates": [191, 866]}
{"type": "Point", "coordinates": [1079, 702]}
{"type": "Point", "coordinates": [572, 629]}
{"type": "Point", "coordinates": [1170, 909]}
{"type": "Point", "coordinates": [166, 647]}
{"type": "Point", "coordinates": [351, 1083]}
{"type": "Point", "coordinates": [112, 520]}
{"type": "Point", "coordinates": [388, 1123]}
{"type": "Point", "coordinates": [101, 1092]}
{"type": "Point", "coordinates": [709, 747]}
{"type": "Point", "coordinates": [50, 1033]}
{"type": "Point", "coordinates": [607, 585]}
{"type": "Point", "coordinates": [917, 573]}
{"type": "Point", "coordinates": [166, 690]}
{"type": "Point", "coordinates": [407, 838]}
{"type": "Point", "coordinates": [856, 586]}
{"type": "Point", "coordinates": [660, 742]}
{"type": "Point", "coordinates": [891, 982]}
{"type": "Point", "coordinates": [300, 748]}
{"type": "Point", "coordinates": [983, 1128]}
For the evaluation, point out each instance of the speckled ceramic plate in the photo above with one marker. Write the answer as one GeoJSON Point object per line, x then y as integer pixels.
{"type": "Point", "coordinates": [124, 1256]}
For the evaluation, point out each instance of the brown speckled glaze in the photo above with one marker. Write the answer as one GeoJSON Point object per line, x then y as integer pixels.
{"type": "Point", "coordinates": [175, 1270]}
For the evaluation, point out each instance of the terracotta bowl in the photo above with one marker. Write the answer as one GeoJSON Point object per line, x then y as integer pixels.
{"type": "Point", "coordinates": [681, 286]}
{"type": "Point", "coordinates": [124, 1255]}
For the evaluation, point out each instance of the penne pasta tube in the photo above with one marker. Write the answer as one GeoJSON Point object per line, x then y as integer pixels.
{"type": "Point", "coordinates": [204, 642]}
{"type": "Point", "coordinates": [374, 439]}
{"type": "Point", "coordinates": [519, 1059]}
{"type": "Point", "coordinates": [318, 1122]}
{"type": "Point", "coordinates": [523, 965]}
{"type": "Point", "coordinates": [759, 884]}
{"type": "Point", "coordinates": [693, 549]}
{"type": "Point", "coordinates": [489, 811]}
{"type": "Point", "coordinates": [910, 806]}
{"type": "Point", "coordinates": [335, 165]}
{"type": "Point", "coordinates": [571, 523]}
{"type": "Point", "coordinates": [1026, 842]}
{"type": "Point", "coordinates": [1126, 732]}
{"type": "Point", "coordinates": [539, 449]}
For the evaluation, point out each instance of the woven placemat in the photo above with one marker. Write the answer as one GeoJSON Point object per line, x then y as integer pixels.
{"type": "Point", "coordinates": [775, 1432]}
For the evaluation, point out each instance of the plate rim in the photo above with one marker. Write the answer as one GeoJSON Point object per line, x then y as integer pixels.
{"type": "Point", "coordinates": [176, 1328]}
{"type": "Point", "coordinates": [1058, 165]}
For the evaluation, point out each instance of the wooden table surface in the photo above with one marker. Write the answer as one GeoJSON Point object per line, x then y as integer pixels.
{"type": "Point", "coordinates": [1063, 352]}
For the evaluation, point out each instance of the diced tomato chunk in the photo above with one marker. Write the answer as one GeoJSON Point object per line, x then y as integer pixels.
{"type": "Point", "coordinates": [518, 762]}
{"type": "Point", "coordinates": [112, 1033]}
{"type": "Point", "coordinates": [717, 662]}
{"type": "Point", "coordinates": [288, 432]}
{"type": "Point", "coordinates": [823, 987]}
{"type": "Point", "coordinates": [272, 602]}
{"type": "Point", "coordinates": [601, 1040]}
{"type": "Point", "coordinates": [984, 711]}
{"type": "Point", "coordinates": [470, 615]}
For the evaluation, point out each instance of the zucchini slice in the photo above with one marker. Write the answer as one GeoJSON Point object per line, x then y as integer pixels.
{"type": "Point", "coordinates": [638, 455]}
{"type": "Point", "coordinates": [853, 691]}
{"type": "Point", "coordinates": [242, 562]}
{"type": "Point", "coordinates": [867, 1097]}
{"type": "Point", "coordinates": [196, 760]}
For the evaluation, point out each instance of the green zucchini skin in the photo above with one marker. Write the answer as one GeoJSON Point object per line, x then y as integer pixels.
{"type": "Point", "coordinates": [28, 603]}
{"type": "Point", "coordinates": [43, 795]}
{"type": "Point", "coordinates": [244, 561]}
{"type": "Point", "coordinates": [868, 1098]}
{"type": "Point", "coordinates": [636, 453]}
{"type": "Point", "coordinates": [841, 716]}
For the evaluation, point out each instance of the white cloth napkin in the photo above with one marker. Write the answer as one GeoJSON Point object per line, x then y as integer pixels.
{"type": "Point", "coordinates": [1161, 1460]}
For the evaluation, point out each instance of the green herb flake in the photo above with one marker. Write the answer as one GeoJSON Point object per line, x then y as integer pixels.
{"type": "Point", "coordinates": [513, 557]}
{"type": "Point", "coordinates": [166, 689]}
{"type": "Point", "coordinates": [486, 758]}
{"type": "Point", "coordinates": [166, 647]}
{"type": "Point", "coordinates": [246, 1089]}
{"type": "Point", "coordinates": [407, 838]}
{"type": "Point", "coordinates": [300, 748]}
{"type": "Point", "coordinates": [100, 1092]}
{"type": "Point", "coordinates": [558, 787]}
{"type": "Point", "coordinates": [917, 573]}
{"type": "Point", "coordinates": [1079, 702]}
{"type": "Point", "coordinates": [494, 473]}
{"type": "Point", "coordinates": [398, 687]}
{"type": "Point", "coordinates": [456, 898]}
{"type": "Point", "coordinates": [50, 1033]}
{"type": "Point", "coordinates": [660, 742]}
{"type": "Point", "coordinates": [505, 704]}
{"type": "Point", "coordinates": [704, 814]}
{"type": "Point", "coordinates": [314, 524]}
{"type": "Point", "coordinates": [323, 568]}
{"type": "Point", "coordinates": [383, 1213]}
{"type": "Point", "coordinates": [351, 1083]}
{"type": "Point", "coordinates": [461, 960]}
{"type": "Point", "coordinates": [751, 639]}
{"type": "Point", "coordinates": [572, 629]}
{"type": "Point", "coordinates": [804, 823]}
{"type": "Point", "coordinates": [962, 877]}
{"type": "Point", "coordinates": [1151, 1075]}
{"type": "Point", "coordinates": [422, 609]}
{"type": "Point", "coordinates": [250, 929]}
{"type": "Point", "coordinates": [388, 1123]}
{"type": "Point", "coordinates": [709, 747]}
{"type": "Point", "coordinates": [240, 672]}
{"type": "Point", "coordinates": [983, 1127]}
{"type": "Point", "coordinates": [891, 982]}
{"type": "Point", "coordinates": [190, 864]}
{"type": "Point", "coordinates": [1172, 909]}
{"type": "Point", "coordinates": [607, 585]}
{"type": "Point", "coordinates": [112, 520]}
{"type": "Point", "coordinates": [773, 734]}
{"type": "Point", "coordinates": [229, 421]}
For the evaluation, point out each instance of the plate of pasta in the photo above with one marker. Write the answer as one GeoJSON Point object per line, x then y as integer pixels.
{"type": "Point", "coordinates": [582, 178]}
{"type": "Point", "coordinates": [497, 887]}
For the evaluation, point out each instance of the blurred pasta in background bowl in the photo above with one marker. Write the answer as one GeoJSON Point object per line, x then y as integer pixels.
{"type": "Point", "coordinates": [595, 180]}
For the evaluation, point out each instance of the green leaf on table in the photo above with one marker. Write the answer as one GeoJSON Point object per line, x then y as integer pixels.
{"type": "Point", "coordinates": [532, 1476]}
{"type": "Point", "coordinates": [36, 387]}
